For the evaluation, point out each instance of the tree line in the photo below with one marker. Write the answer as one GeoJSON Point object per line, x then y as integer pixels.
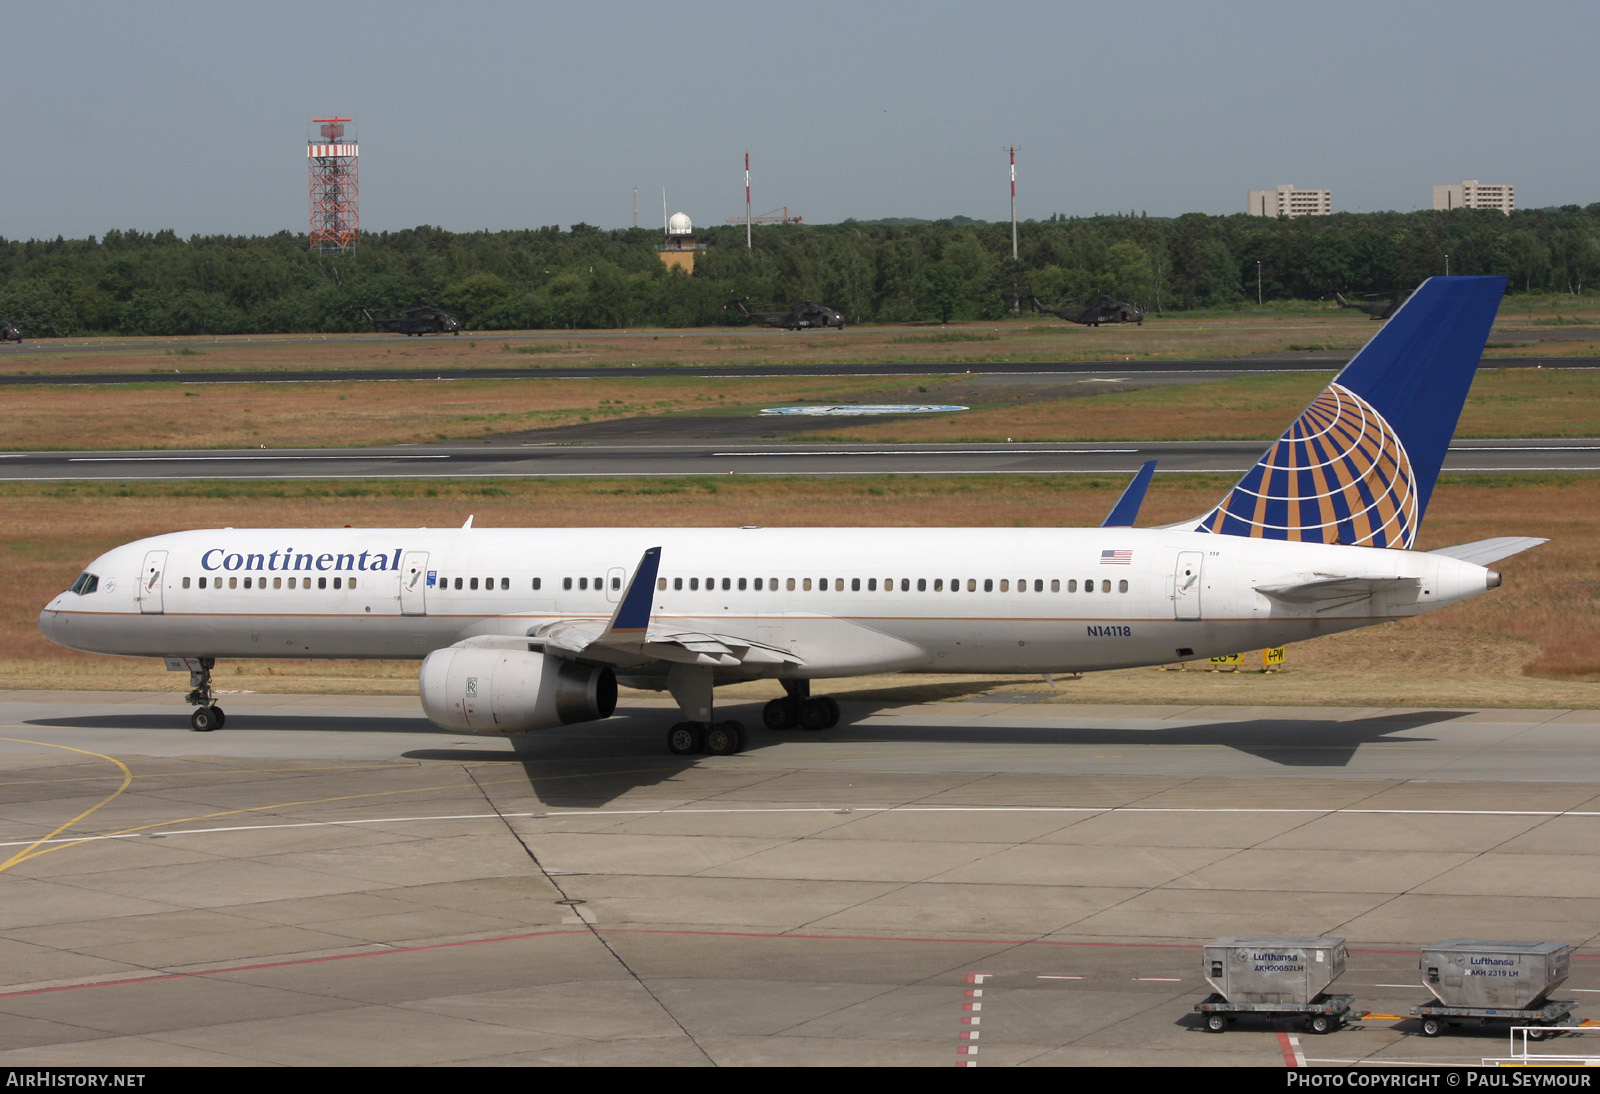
{"type": "Point", "coordinates": [130, 282]}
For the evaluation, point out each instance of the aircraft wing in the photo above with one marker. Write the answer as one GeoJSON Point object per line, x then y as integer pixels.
{"type": "Point", "coordinates": [1484, 551]}
{"type": "Point", "coordinates": [592, 640]}
{"type": "Point", "coordinates": [630, 637]}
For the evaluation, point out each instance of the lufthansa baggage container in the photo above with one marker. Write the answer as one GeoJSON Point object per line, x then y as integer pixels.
{"type": "Point", "coordinates": [1273, 970]}
{"type": "Point", "coordinates": [1515, 975]}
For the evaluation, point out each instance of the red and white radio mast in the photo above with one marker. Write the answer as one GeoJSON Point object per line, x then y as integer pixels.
{"type": "Point", "coordinates": [335, 214]}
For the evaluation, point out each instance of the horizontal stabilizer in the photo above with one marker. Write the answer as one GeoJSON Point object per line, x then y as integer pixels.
{"type": "Point", "coordinates": [1327, 590]}
{"type": "Point", "coordinates": [1484, 551]}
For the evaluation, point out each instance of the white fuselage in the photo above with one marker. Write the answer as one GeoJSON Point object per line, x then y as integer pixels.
{"type": "Point", "coordinates": [843, 601]}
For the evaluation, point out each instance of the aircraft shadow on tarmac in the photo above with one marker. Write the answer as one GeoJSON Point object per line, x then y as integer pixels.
{"type": "Point", "coordinates": [555, 760]}
{"type": "Point", "coordinates": [588, 766]}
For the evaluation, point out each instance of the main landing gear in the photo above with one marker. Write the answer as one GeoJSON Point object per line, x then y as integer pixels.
{"type": "Point", "coordinates": [798, 709]}
{"type": "Point", "coordinates": [207, 716]}
{"type": "Point", "coordinates": [715, 739]}
{"type": "Point", "coordinates": [690, 686]}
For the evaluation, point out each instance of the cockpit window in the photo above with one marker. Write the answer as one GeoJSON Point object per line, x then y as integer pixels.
{"type": "Point", "coordinates": [86, 584]}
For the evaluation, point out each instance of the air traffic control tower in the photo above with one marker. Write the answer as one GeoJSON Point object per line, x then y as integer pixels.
{"type": "Point", "coordinates": [335, 215]}
{"type": "Point", "coordinates": [679, 247]}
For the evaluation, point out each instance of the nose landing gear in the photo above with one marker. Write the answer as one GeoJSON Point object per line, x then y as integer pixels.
{"type": "Point", "coordinates": [207, 716]}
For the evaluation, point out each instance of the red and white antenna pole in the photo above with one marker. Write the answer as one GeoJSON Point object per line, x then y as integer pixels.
{"type": "Point", "coordinates": [1013, 203]}
{"type": "Point", "coordinates": [747, 201]}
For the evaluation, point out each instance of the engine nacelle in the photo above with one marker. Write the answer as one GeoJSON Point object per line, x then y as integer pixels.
{"type": "Point", "coordinates": [475, 690]}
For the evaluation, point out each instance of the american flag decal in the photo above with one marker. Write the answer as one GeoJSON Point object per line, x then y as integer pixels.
{"type": "Point", "coordinates": [1116, 558]}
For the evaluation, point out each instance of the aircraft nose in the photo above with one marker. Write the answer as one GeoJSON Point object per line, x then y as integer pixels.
{"type": "Point", "coordinates": [47, 621]}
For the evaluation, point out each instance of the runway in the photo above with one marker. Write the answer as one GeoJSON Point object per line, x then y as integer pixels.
{"type": "Point", "coordinates": [735, 456]}
{"type": "Point", "coordinates": [991, 883]}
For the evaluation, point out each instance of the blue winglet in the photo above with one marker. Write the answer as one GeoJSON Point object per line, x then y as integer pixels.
{"type": "Point", "coordinates": [633, 613]}
{"type": "Point", "coordinates": [1126, 510]}
{"type": "Point", "coordinates": [1358, 466]}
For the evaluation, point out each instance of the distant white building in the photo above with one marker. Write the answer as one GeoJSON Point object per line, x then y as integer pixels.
{"type": "Point", "coordinates": [1286, 201]}
{"type": "Point", "coordinates": [1473, 194]}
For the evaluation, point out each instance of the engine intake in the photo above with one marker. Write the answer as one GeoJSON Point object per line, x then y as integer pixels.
{"type": "Point", "coordinates": [512, 691]}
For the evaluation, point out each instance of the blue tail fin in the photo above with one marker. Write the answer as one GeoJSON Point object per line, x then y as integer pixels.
{"type": "Point", "coordinates": [1358, 466]}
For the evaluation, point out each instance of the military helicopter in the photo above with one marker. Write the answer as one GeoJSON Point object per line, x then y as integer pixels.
{"type": "Point", "coordinates": [801, 316]}
{"type": "Point", "coordinates": [418, 321]}
{"type": "Point", "coordinates": [1099, 309]}
{"type": "Point", "coordinates": [10, 332]}
{"type": "Point", "coordinates": [1377, 308]}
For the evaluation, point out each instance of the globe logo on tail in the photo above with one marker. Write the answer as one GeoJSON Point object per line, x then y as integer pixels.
{"type": "Point", "coordinates": [1338, 475]}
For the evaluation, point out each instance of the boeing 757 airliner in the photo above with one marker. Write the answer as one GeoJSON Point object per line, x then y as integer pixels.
{"type": "Point", "coordinates": [529, 628]}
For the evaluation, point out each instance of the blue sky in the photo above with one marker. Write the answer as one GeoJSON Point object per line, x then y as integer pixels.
{"type": "Point", "coordinates": [476, 115]}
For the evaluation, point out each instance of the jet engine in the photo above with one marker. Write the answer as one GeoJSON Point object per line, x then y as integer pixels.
{"type": "Point", "coordinates": [475, 690]}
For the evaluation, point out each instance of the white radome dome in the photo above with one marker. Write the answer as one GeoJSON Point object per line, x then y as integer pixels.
{"type": "Point", "coordinates": [679, 225]}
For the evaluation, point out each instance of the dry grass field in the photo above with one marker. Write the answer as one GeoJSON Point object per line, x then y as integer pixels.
{"type": "Point", "coordinates": [1504, 403]}
{"type": "Point", "coordinates": [1535, 642]}
{"type": "Point", "coordinates": [1563, 325]}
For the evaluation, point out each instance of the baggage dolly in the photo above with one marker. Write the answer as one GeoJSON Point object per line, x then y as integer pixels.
{"type": "Point", "coordinates": [1324, 1014]}
{"type": "Point", "coordinates": [1553, 1013]}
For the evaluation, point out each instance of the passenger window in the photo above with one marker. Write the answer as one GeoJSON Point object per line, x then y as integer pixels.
{"type": "Point", "coordinates": [922, 584]}
{"type": "Point", "coordinates": [185, 583]}
{"type": "Point", "coordinates": [473, 584]}
{"type": "Point", "coordinates": [352, 583]}
{"type": "Point", "coordinates": [741, 584]}
{"type": "Point", "coordinates": [1072, 585]}
{"type": "Point", "coordinates": [872, 584]}
{"type": "Point", "coordinates": [972, 584]}
{"type": "Point", "coordinates": [1055, 584]}
{"type": "Point", "coordinates": [536, 583]}
{"type": "Point", "coordinates": [791, 585]}
{"type": "Point", "coordinates": [322, 582]}
{"type": "Point", "coordinates": [758, 584]}
{"type": "Point", "coordinates": [1038, 585]}
{"type": "Point", "coordinates": [806, 585]}
{"type": "Point", "coordinates": [1122, 586]}
{"type": "Point", "coordinates": [726, 585]}
{"type": "Point", "coordinates": [938, 584]}
{"type": "Point", "coordinates": [1005, 585]}
{"type": "Point", "coordinates": [677, 584]}
{"type": "Point", "coordinates": [336, 583]}
{"type": "Point", "coordinates": [566, 583]}
{"type": "Point", "coordinates": [694, 584]}
{"type": "Point", "coordinates": [233, 583]}
{"type": "Point", "coordinates": [1105, 585]}
{"type": "Point", "coordinates": [616, 583]}
{"type": "Point", "coordinates": [661, 584]}
{"type": "Point", "coordinates": [905, 584]}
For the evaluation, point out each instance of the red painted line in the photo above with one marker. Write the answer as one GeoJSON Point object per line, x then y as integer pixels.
{"type": "Point", "coordinates": [1287, 1048]}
